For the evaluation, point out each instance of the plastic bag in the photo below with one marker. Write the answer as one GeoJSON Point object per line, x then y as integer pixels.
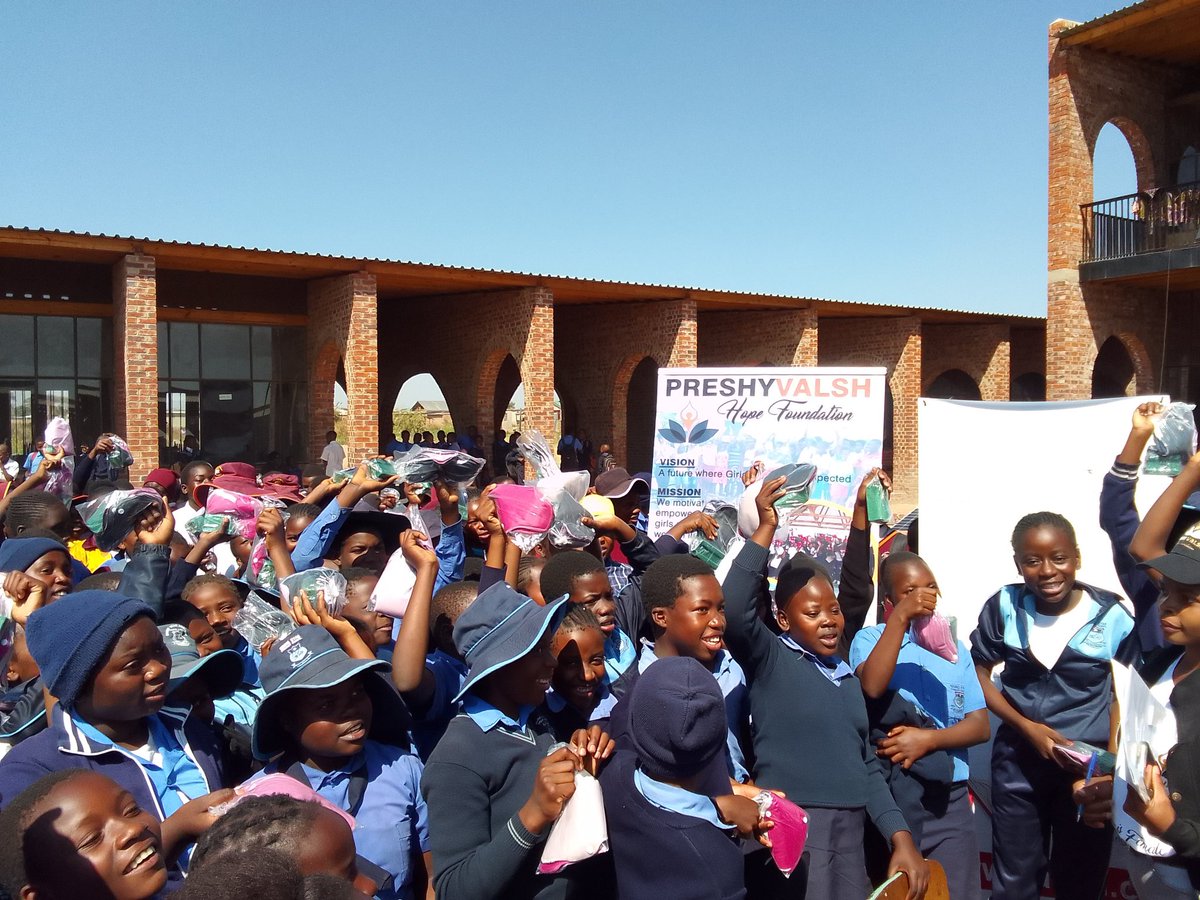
{"type": "Point", "coordinates": [342, 475]}
{"type": "Point", "coordinates": [567, 531]}
{"type": "Point", "coordinates": [313, 582]}
{"type": "Point", "coordinates": [394, 588]}
{"type": "Point", "coordinates": [713, 550]}
{"type": "Point", "coordinates": [205, 523]}
{"type": "Point", "coordinates": [243, 511]}
{"type": "Point", "coordinates": [935, 635]}
{"type": "Point", "coordinates": [112, 516]}
{"type": "Point", "coordinates": [524, 513]}
{"type": "Point", "coordinates": [258, 621]}
{"type": "Point", "coordinates": [879, 505]}
{"type": "Point", "coordinates": [800, 477]}
{"type": "Point", "coordinates": [429, 463]}
{"type": "Point", "coordinates": [790, 833]}
{"type": "Point", "coordinates": [119, 457]}
{"type": "Point", "coordinates": [581, 830]}
{"type": "Point", "coordinates": [1174, 440]}
{"type": "Point", "coordinates": [60, 482]}
{"type": "Point", "coordinates": [261, 571]}
{"type": "Point", "coordinates": [534, 448]}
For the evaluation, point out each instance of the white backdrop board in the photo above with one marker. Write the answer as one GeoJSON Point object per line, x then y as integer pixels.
{"type": "Point", "coordinates": [984, 465]}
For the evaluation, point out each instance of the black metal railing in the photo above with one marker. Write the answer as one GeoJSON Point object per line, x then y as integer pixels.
{"type": "Point", "coordinates": [1159, 219]}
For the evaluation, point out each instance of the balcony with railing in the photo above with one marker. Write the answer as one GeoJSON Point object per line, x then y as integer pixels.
{"type": "Point", "coordinates": [1142, 233]}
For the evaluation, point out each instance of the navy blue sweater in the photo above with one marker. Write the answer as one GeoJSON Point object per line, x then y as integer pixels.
{"type": "Point", "coordinates": [810, 735]}
{"type": "Point", "coordinates": [658, 853]}
{"type": "Point", "coordinates": [1120, 520]}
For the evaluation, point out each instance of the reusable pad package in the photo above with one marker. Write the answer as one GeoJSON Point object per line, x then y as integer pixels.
{"type": "Point", "coordinates": [394, 588]}
{"type": "Point", "coordinates": [524, 513]}
{"type": "Point", "coordinates": [800, 477]}
{"type": "Point", "coordinates": [568, 531]}
{"type": "Point", "coordinates": [714, 550]}
{"type": "Point", "coordinates": [551, 479]}
{"type": "Point", "coordinates": [581, 830]}
{"type": "Point", "coordinates": [879, 505]}
{"type": "Point", "coordinates": [790, 832]}
{"type": "Point", "coordinates": [429, 463]}
{"type": "Point", "coordinates": [936, 634]}
{"type": "Point", "coordinates": [313, 582]}
{"type": "Point", "coordinates": [112, 516]}
{"type": "Point", "coordinates": [279, 784]}
{"type": "Point", "coordinates": [206, 524]}
{"type": "Point", "coordinates": [60, 482]}
{"type": "Point", "coordinates": [242, 511]}
{"type": "Point", "coordinates": [119, 456]}
{"type": "Point", "coordinates": [261, 571]}
{"type": "Point", "coordinates": [258, 621]}
{"type": "Point", "coordinates": [1174, 440]}
{"type": "Point", "coordinates": [342, 475]}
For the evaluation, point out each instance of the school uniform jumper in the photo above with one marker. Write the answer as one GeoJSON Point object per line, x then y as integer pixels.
{"type": "Point", "coordinates": [1031, 796]}
{"type": "Point", "coordinates": [809, 725]}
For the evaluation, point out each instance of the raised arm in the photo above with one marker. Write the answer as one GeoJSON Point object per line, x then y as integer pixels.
{"type": "Point", "coordinates": [409, 672]}
{"type": "Point", "coordinates": [1151, 537]}
{"type": "Point", "coordinates": [748, 637]}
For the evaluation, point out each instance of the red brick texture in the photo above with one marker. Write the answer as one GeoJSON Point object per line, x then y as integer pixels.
{"type": "Point", "coordinates": [597, 349]}
{"type": "Point", "coordinates": [895, 343]}
{"type": "Point", "coordinates": [135, 360]}
{"type": "Point", "coordinates": [343, 328]}
{"type": "Point", "coordinates": [981, 350]}
{"type": "Point", "coordinates": [758, 338]}
{"type": "Point", "coordinates": [1088, 89]}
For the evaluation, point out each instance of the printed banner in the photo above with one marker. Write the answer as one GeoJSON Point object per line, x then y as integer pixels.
{"type": "Point", "coordinates": [714, 424]}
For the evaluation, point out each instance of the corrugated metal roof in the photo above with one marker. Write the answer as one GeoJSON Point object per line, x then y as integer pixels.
{"type": "Point", "coordinates": [1120, 13]}
{"type": "Point", "coordinates": [335, 258]}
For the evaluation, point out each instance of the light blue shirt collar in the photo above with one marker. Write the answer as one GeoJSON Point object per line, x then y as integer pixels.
{"type": "Point", "coordinates": [488, 717]}
{"type": "Point", "coordinates": [722, 662]}
{"type": "Point", "coordinates": [837, 671]}
{"type": "Point", "coordinates": [677, 800]}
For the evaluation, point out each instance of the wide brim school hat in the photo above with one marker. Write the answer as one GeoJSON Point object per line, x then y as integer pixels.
{"type": "Point", "coordinates": [499, 628]}
{"type": "Point", "coordinates": [1182, 564]}
{"type": "Point", "coordinates": [388, 526]}
{"type": "Point", "coordinates": [618, 482]}
{"type": "Point", "coordinates": [222, 671]}
{"type": "Point", "coordinates": [310, 659]}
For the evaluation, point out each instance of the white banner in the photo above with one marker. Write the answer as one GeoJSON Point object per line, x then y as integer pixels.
{"type": "Point", "coordinates": [985, 465]}
{"type": "Point", "coordinates": [713, 424]}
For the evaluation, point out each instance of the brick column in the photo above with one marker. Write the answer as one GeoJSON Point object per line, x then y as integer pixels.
{"type": "Point", "coordinates": [343, 326]}
{"type": "Point", "coordinates": [536, 362]}
{"type": "Point", "coordinates": [775, 337]}
{"type": "Point", "coordinates": [135, 360]}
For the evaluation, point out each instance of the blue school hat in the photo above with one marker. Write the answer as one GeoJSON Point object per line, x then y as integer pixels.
{"type": "Point", "coordinates": [70, 637]}
{"type": "Point", "coordinates": [677, 724]}
{"type": "Point", "coordinates": [222, 671]}
{"type": "Point", "coordinates": [499, 628]}
{"type": "Point", "coordinates": [310, 659]}
{"type": "Point", "coordinates": [18, 554]}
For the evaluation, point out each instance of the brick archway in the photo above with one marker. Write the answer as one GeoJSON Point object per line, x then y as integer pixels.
{"type": "Point", "coordinates": [620, 403]}
{"type": "Point", "coordinates": [1144, 381]}
{"type": "Point", "coordinates": [1139, 145]}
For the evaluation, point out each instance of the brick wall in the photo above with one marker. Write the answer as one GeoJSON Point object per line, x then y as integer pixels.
{"type": "Point", "coordinates": [598, 349]}
{"type": "Point", "coordinates": [896, 344]}
{"type": "Point", "coordinates": [1027, 351]}
{"type": "Point", "coordinates": [135, 360]}
{"type": "Point", "coordinates": [982, 350]}
{"type": "Point", "coordinates": [777, 337]}
{"type": "Point", "coordinates": [343, 327]}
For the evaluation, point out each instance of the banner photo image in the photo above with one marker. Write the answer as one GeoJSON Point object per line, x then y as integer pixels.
{"type": "Point", "coordinates": [712, 425]}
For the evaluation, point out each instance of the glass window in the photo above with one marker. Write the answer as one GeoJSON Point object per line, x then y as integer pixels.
{"type": "Point", "coordinates": [291, 350]}
{"type": "Point", "coordinates": [89, 421]}
{"type": "Point", "coordinates": [16, 356]}
{"type": "Point", "coordinates": [260, 342]}
{"type": "Point", "coordinates": [226, 351]}
{"type": "Point", "coordinates": [55, 346]}
{"type": "Point", "coordinates": [89, 339]}
{"type": "Point", "coordinates": [16, 406]}
{"type": "Point", "coordinates": [185, 350]}
{"type": "Point", "coordinates": [55, 398]}
{"type": "Point", "coordinates": [164, 356]}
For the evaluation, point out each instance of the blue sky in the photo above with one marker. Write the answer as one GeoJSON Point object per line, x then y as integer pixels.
{"type": "Point", "coordinates": [890, 152]}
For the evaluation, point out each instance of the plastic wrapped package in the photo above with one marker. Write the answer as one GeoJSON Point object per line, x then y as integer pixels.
{"type": "Point", "coordinates": [430, 463]}
{"type": "Point", "coordinates": [936, 634]}
{"type": "Point", "coordinates": [112, 516]}
{"type": "Point", "coordinates": [524, 513]}
{"type": "Point", "coordinates": [879, 505]}
{"type": "Point", "coordinates": [206, 523]}
{"type": "Point", "coordinates": [537, 451]}
{"type": "Point", "coordinates": [713, 550]}
{"type": "Point", "coordinates": [581, 830]}
{"type": "Point", "coordinates": [119, 457]}
{"type": "Point", "coordinates": [316, 581]}
{"type": "Point", "coordinates": [258, 621]}
{"type": "Point", "coordinates": [1173, 441]}
{"type": "Point", "coordinates": [394, 588]}
{"type": "Point", "coordinates": [342, 475]}
{"type": "Point", "coordinates": [567, 531]}
{"type": "Point", "coordinates": [61, 480]}
{"type": "Point", "coordinates": [242, 511]}
{"type": "Point", "coordinates": [790, 831]}
{"type": "Point", "coordinates": [261, 571]}
{"type": "Point", "coordinates": [800, 477]}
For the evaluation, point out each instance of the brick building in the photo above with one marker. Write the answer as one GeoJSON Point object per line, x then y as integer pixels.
{"type": "Point", "coordinates": [242, 348]}
{"type": "Point", "coordinates": [1124, 272]}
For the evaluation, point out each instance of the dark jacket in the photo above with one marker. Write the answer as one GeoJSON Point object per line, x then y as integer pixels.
{"type": "Point", "coordinates": [145, 577]}
{"type": "Point", "coordinates": [24, 711]}
{"type": "Point", "coordinates": [1120, 520]}
{"type": "Point", "coordinates": [658, 853]}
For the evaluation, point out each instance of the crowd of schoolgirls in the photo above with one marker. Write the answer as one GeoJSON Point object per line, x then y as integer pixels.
{"type": "Point", "coordinates": [150, 749]}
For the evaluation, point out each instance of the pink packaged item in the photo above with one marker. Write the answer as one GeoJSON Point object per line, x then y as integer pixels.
{"type": "Point", "coordinates": [394, 588]}
{"type": "Point", "coordinates": [790, 831]}
{"type": "Point", "coordinates": [279, 784]}
{"type": "Point", "coordinates": [935, 635]}
{"type": "Point", "coordinates": [242, 511]}
{"type": "Point", "coordinates": [58, 435]}
{"type": "Point", "coordinates": [580, 832]}
{"type": "Point", "coordinates": [524, 513]}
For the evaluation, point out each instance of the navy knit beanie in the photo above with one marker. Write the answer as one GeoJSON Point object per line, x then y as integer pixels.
{"type": "Point", "coordinates": [69, 637]}
{"type": "Point", "coordinates": [677, 719]}
{"type": "Point", "coordinates": [18, 554]}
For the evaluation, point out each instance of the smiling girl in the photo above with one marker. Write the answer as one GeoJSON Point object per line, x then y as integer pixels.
{"type": "Point", "coordinates": [1055, 636]}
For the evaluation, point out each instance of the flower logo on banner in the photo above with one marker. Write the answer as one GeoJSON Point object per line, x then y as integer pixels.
{"type": "Point", "coordinates": [687, 430]}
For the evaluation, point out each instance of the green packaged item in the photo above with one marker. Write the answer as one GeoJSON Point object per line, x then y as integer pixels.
{"type": "Point", "coordinates": [797, 487]}
{"type": "Point", "coordinates": [708, 552]}
{"type": "Point", "coordinates": [379, 469]}
{"type": "Point", "coordinates": [1164, 465]}
{"type": "Point", "coordinates": [206, 523]}
{"type": "Point", "coordinates": [342, 475]}
{"type": "Point", "coordinates": [879, 506]}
